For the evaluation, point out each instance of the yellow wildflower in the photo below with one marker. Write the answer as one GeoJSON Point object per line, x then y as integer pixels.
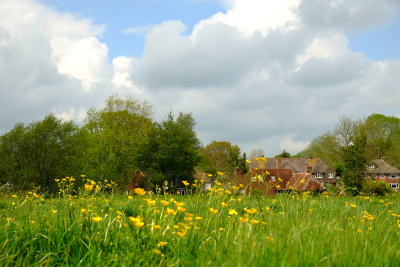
{"type": "Point", "coordinates": [89, 187]}
{"type": "Point", "coordinates": [243, 220]}
{"type": "Point", "coordinates": [139, 191]}
{"type": "Point", "coordinates": [254, 221]}
{"type": "Point", "coordinates": [186, 183]}
{"type": "Point", "coordinates": [232, 212]}
{"type": "Point", "coordinates": [223, 204]}
{"type": "Point", "coordinates": [162, 243]}
{"type": "Point", "coordinates": [170, 211]}
{"type": "Point", "coordinates": [213, 211]}
{"type": "Point", "coordinates": [96, 219]}
{"type": "Point", "coordinates": [156, 251]}
{"type": "Point", "coordinates": [164, 203]}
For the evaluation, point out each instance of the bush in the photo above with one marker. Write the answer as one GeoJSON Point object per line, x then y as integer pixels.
{"type": "Point", "coordinates": [378, 188]}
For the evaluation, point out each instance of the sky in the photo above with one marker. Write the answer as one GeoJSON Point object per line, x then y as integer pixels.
{"type": "Point", "coordinates": [261, 74]}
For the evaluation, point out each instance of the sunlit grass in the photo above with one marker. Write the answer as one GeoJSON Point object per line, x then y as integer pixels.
{"type": "Point", "coordinates": [221, 227]}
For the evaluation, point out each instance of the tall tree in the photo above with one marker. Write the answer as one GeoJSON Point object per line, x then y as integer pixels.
{"type": "Point", "coordinates": [116, 131]}
{"type": "Point", "coordinates": [219, 156]}
{"type": "Point", "coordinates": [354, 164]}
{"type": "Point", "coordinates": [171, 151]}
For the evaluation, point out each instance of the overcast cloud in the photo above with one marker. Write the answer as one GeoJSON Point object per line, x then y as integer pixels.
{"type": "Point", "coordinates": [264, 74]}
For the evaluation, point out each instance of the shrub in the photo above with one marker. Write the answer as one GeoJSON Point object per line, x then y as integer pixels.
{"type": "Point", "coordinates": [378, 188]}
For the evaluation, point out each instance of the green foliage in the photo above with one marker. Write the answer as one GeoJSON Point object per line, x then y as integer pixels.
{"type": "Point", "coordinates": [116, 132]}
{"type": "Point", "coordinates": [378, 188]}
{"type": "Point", "coordinates": [244, 167]}
{"type": "Point", "coordinates": [171, 150]}
{"type": "Point", "coordinates": [219, 156]}
{"type": "Point", "coordinates": [284, 154]}
{"type": "Point", "coordinates": [354, 164]}
{"type": "Point", "coordinates": [37, 153]}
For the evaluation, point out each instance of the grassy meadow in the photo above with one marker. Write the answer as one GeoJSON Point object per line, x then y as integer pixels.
{"type": "Point", "coordinates": [219, 228]}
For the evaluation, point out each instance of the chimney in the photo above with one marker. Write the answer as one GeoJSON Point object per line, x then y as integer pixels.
{"type": "Point", "coordinates": [278, 164]}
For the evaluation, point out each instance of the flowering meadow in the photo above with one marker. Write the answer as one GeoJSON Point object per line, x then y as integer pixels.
{"type": "Point", "coordinates": [219, 227]}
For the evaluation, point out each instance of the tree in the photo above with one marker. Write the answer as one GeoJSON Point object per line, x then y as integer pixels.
{"type": "Point", "coordinates": [284, 154]}
{"type": "Point", "coordinates": [38, 153]}
{"type": "Point", "coordinates": [171, 150]}
{"type": "Point", "coordinates": [116, 132]}
{"type": "Point", "coordinates": [325, 147]}
{"type": "Point", "coordinates": [219, 156]}
{"type": "Point", "coordinates": [256, 153]}
{"type": "Point", "coordinates": [354, 164]}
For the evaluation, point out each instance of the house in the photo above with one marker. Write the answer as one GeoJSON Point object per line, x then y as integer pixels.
{"type": "Point", "coordinates": [321, 171]}
{"type": "Point", "coordinates": [380, 170]}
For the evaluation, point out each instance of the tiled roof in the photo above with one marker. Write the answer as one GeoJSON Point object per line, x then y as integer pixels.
{"type": "Point", "coordinates": [382, 166]}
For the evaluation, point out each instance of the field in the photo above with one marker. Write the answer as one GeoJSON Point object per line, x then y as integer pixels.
{"type": "Point", "coordinates": [218, 228]}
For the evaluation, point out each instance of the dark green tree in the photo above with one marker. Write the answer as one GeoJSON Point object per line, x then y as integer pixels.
{"type": "Point", "coordinates": [284, 154]}
{"type": "Point", "coordinates": [354, 164]}
{"type": "Point", "coordinates": [38, 153]}
{"type": "Point", "coordinates": [171, 151]}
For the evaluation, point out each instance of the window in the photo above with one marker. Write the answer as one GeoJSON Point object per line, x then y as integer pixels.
{"type": "Point", "coordinates": [273, 178]}
{"type": "Point", "coordinates": [330, 175]}
{"type": "Point", "coordinates": [393, 175]}
{"type": "Point", "coordinates": [394, 185]}
{"type": "Point", "coordinates": [382, 176]}
{"type": "Point", "coordinates": [318, 175]}
{"type": "Point", "coordinates": [371, 166]}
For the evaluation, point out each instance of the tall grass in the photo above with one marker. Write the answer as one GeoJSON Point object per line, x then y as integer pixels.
{"type": "Point", "coordinates": [296, 229]}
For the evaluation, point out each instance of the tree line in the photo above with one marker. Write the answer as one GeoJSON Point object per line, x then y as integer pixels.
{"type": "Point", "coordinates": [354, 142]}
{"type": "Point", "coordinates": [114, 143]}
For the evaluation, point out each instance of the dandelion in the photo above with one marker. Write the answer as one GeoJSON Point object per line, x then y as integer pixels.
{"type": "Point", "coordinates": [188, 219]}
{"type": "Point", "coordinates": [232, 212]}
{"type": "Point", "coordinates": [170, 211]}
{"type": "Point", "coordinates": [162, 243]}
{"type": "Point", "coordinates": [269, 239]}
{"type": "Point", "coordinates": [278, 187]}
{"type": "Point", "coordinates": [96, 219]}
{"type": "Point", "coordinates": [164, 203]}
{"type": "Point", "coordinates": [254, 221]}
{"type": "Point", "coordinates": [156, 251]}
{"type": "Point", "coordinates": [53, 211]}
{"type": "Point", "coordinates": [220, 173]}
{"type": "Point", "coordinates": [243, 220]}
{"type": "Point", "coordinates": [180, 209]}
{"type": "Point", "coordinates": [198, 218]}
{"type": "Point", "coordinates": [359, 230]}
{"type": "Point", "coordinates": [83, 210]}
{"type": "Point", "coordinates": [223, 204]}
{"type": "Point", "coordinates": [213, 211]}
{"type": "Point", "coordinates": [139, 191]}
{"type": "Point", "coordinates": [155, 227]}
{"type": "Point", "coordinates": [209, 174]}
{"type": "Point", "coordinates": [250, 211]}
{"type": "Point", "coordinates": [248, 161]}
{"type": "Point", "coordinates": [130, 197]}
{"type": "Point", "coordinates": [89, 187]}
{"type": "Point", "coordinates": [186, 183]}
{"type": "Point", "coordinates": [181, 234]}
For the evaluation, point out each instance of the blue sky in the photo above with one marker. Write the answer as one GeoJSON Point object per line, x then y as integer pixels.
{"type": "Point", "coordinates": [262, 74]}
{"type": "Point", "coordinates": [118, 15]}
{"type": "Point", "coordinates": [379, 43]}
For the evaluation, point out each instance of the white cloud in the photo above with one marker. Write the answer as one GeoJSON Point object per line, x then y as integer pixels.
{"type": "Point", "coordinates": [249, 16]}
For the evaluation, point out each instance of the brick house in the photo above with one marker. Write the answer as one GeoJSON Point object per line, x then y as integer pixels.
{"type": "Point", "coordinates": [380, 170]}
{"type": "Point", "coordinates": [322, 172]}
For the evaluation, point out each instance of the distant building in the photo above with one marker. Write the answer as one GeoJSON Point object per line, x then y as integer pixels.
{"type": "Point", "coordinates": [380, 170]}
